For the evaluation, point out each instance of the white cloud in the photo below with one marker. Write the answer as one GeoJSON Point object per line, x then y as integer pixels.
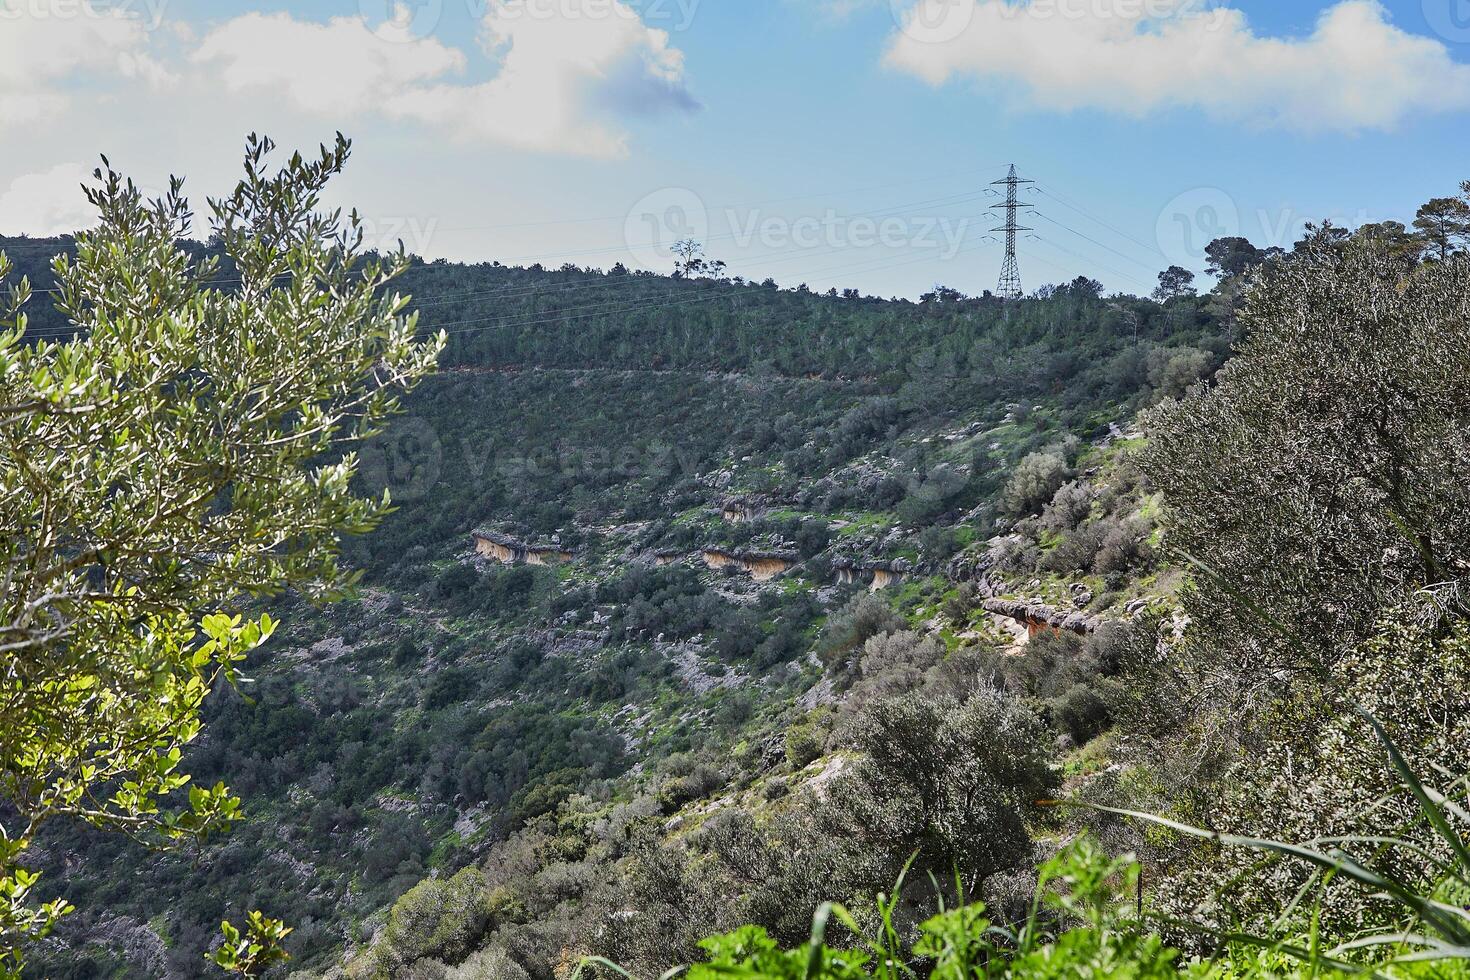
{"type": "Point", "coordinates": [43, 48]}
{"type": "Point", "coordinates": [565, 73]}
{"type": "Point", "coordinates": [1355, 70]}
{"type": "Point", "coordinates": [47, 203]}
{"type": "Point", "coordinates": [339, 67]}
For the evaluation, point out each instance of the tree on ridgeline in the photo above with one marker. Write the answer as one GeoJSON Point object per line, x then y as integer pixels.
{"type": "Point", "coordinates": [1232, 257]}
{"type": "Point", "coordinates": [1174, 281]}
{"type": "Point", "coordinates": [1444, 226]}
{"type": "Point", "coordinates": [690, 261]}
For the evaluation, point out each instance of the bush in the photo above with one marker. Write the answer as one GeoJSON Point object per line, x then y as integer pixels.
{"type": "Point", "coordinates": [1036, 480]}
{"type": "Point", "coordinates": [864, 617]}
{"type": "Point", "coordinates": [456, 579]}
{"type": "Point", "coordinates": [436, 919]}
{"type": "Point", "coordinates": [965, 774]}
{"type": "Point", "coordinates": [893, 664]}
{"type": "Point", "coordinates": [1081, 713]}
{"type": "Point", "coordinates": [1333, 782]}
{"type": "Point", "coordinates": [805, 744]}
{"type": "Point", "coordinates": [1068, 508]}
{"type": "Point", "coordinates": [1076, 552]}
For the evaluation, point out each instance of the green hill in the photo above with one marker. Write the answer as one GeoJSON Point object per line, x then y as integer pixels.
{"type": "Point", "coordinates": [708, 478]}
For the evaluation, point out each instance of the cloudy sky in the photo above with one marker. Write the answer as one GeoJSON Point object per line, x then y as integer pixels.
{"type": "Point", "coordinates": [834, 142]}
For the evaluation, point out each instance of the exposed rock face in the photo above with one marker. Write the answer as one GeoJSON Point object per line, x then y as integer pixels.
{"type": "Point", "coordinates": [716, 559]}
{"type": "Point", "coordinates": [664, 558]}
{"type": "Point", "coordinates": [509, 551]}
{"type": "Point", "coordinates": [879, 575]}
{"type": "Point", "coordinates": [135, 942]}
{"type": "Point", "coordinates": [497, 547]}
{"type": "Point", "coordinates": [762, 566]}
{"type": "Point", "coordinates": [1037, 617]}
{"type": "Point", "coordinates": [883, 578]}
{"type": "Point", "coordinates": [765, 568]}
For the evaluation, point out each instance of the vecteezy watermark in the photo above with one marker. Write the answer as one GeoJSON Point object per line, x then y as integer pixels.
{"type": "Point", "coordinates": [933, 21]}
{"type": "Point", "coordinates": [148, 13]}
{"type": "Point", "coordinates": [669, 15]}
{"type": "Point", "coordinates": [1450, 19]}
{"type": "Point", "coordinates": [1192, 220]}
{"type": "Point", "coordinates": [1153, 11]}
{"type": "Point", "coordinates": [406, 460]}
{"type": "Point", "coordinates": [593, 465]}
{"type": "Point", "coordinates": [664, 218]}
{"type": "Point", "coordinates": [330, 692]}
{"type": "Point", "coordinates": [942, 21]}
{"type": "Point", "coordinates": [384, 235]}
{"type": "Point", "coordinates": [401, 20]}
{"type": "Point", "coordinates": [660, 220]}
{"type": "Point", "coordinates": [414, 20]}
{"type": "Point", "coordinates": [411, 458]}
{"type": "Point", "coordinates": [836, 231]}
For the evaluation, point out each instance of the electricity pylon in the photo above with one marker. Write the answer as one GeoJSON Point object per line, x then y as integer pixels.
{"type": "Point", "coordinates": [1010, 272]}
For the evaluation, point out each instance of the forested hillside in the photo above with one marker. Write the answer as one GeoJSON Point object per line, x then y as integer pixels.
{"type": "Point", "coordinates": [707, 604]}
{"type": "Point", "coordinates": [459, 701]}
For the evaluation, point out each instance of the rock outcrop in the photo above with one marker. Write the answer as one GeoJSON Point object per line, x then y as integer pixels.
{"type": "Point", "coordinates": [1037, 617]}
{"type": "Point", "coordinates": [509, 551]}
{"type": "Point", "coordinates": [762, 565]}
{"type": "Point", "coordinates": [879, 575]}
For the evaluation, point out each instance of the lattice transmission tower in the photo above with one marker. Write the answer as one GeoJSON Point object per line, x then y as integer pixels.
{"type": "Point", "coordinates": [1010, 271]}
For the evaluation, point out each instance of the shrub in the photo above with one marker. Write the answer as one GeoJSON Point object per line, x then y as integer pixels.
{"type": "Point", "coordinates": [456, 579]}
{"type": "Point", "coordinates": [1332, 783]}
{"type": "Point", "coordinates": [1076, 551]}
{"type": "Point", "coordinates": [805, 744]}
{"type": "Point", "coordinates": [861, 619]}
{"type": "Point", "coordinates": [436, 919]}
{"type": "Point", "coordinates": [1036, 480]}
{"type": "Point", "coordinates": [964, 773]}
{"type": "Point", "coordinates": [1081, 713]}
{"type": "Point", "coordinates": [1068, 508]}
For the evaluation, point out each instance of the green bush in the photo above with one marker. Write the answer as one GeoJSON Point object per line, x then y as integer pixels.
{"type": "Point", "coordinates": [436, 919]}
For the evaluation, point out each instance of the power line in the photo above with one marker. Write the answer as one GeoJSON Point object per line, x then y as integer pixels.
{"type": "Point", "coordinates": [890, 211]}
{"type": "Point", "coordinates": [749, 204]}
{"type": "Point", "coordinates": [1126, 277]}
{"type": "Point", "coordinates": [1094, 241]}
{"type": "Point", "coordinates": [1087, 214]}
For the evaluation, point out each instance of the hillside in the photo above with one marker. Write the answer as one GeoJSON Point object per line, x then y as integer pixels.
{"type": "Point", "coordinates": [684, 491]}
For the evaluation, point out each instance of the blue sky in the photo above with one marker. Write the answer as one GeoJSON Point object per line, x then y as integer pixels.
{"type": "Point", "coordinates": [836, 142]}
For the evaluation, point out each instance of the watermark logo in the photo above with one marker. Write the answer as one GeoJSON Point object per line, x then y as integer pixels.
{"type": "Point", "coordinates": [1188, 224]}
{"type": "Point", "coordinates": [662, 219]}
{"type": "Point", "coordinates": [670, 15]}
{"type": "Point", "coordinates": [148, 13]}
{"type": "Point", "coordinates": [933, 21]}
{"type": "Point", "coordinates": [401, 20]}
{"type": "Point", "coordinates": [406, 460]}
{"type": "Point", "coordinates": [838, 232]}
{"type": "Point", "coordinates": [1450, 19]}
{"type": "Point", "coordinates": [383, 235]}
{"type": "Point", "coordinates": [414, 20]}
